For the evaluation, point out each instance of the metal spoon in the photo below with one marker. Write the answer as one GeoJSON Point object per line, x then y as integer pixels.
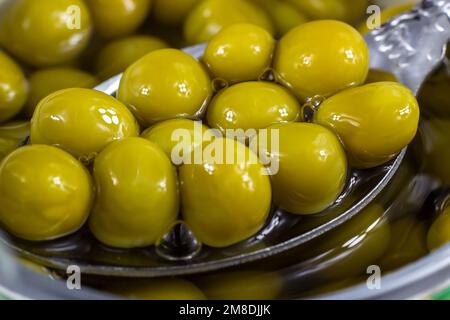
{"type": "Point", "coordinates": [410, 46]}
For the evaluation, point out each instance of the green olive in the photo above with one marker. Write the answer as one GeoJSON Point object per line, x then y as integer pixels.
{"type": "Point", "coordinates": [252, 105]}
{"type": "Point", "coordinates": [210, 16]}
{"type": "Point", "coordinates": [225, 199]}
{"type": "Point", "coordinates": [45, 193]}
{"type": "Point", "coordinates": [47, 81]}
{"type": "Point", "coordinates": [118, 18]}
{"type": "Point", "coordinates": [158, 289]}
{"type": "Point", "coordinates": [240, 52]}
{"type": "Point", "coordinates": [12, 134]}
{"type": "Point", "coordinates": [436, 155]}
{"type": "Point", "coordinates": [13, 88]}
{"type": "Point", "coordinates": [81, 121]}
{"type": "Point", "coordinates": [389, 13]}
{"type": "Point", "coordinates": [285, 15]}
{"type": "Point", "coordinates": [312, 166]}
{"type": "Point", "coordinates": [178, 137]}
{"type": "Point", "coordinates": [433, 96]}
{"type": "Point", "coordinates": [349, 11]}
{"type": "Point", "coordinates": [118, 55]}
{"type": "Point", "coordinates": [376, 75]}
{"type": "Point", "coordinates": [173, 12]}
{"type": "Point", "coordinates": [305, 56]}
{"type": "Point", "coordinates": [374, 122]}
{"type": "Point", "coordinates": [45, 32]}
{"type": "Point", "coordinates": [242, 285]}
{"type": "Point", "coordinates": [165, 84]}
{"type": "Point", "coordinates": [439, 233]}
{"type": "Point", "coordinates": [136, 203]}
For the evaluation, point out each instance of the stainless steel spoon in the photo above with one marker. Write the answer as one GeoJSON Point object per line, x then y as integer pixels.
{"type": "Point", "coordinates": [410, 46]}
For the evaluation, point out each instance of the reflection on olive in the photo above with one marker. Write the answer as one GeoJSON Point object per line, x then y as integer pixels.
{"type": "Point", "coordinates": [242, 285]}
{"type": "Point", "coordinates": [157, 289]}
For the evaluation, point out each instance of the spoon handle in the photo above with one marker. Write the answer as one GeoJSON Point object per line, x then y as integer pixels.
{"type": "Point", "coordinates": [413, 44]}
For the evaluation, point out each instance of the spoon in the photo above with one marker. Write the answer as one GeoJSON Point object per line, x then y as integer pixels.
{"type": "Point", "coordinates": [410, 46]}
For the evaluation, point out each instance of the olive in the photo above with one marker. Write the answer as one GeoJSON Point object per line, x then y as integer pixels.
{"type": "Point", "coordinates": [435, 154]}
{"type": "Point", "coordinates": [45, 32]}
{"type": "Point", "coordinates": [210, 16]}
{"type": "Point", "coordinates": [136, 203]}
{"type": "Point", "coordinates": [377, 75]}
{"type": "Point", "coordinates": [13, 88]}
{"type": "Point", "coordinates": [178, 138]}
{"type": "Point", "coordinates": [285, 15]}
{"type": "Point", "coordinates": [119, 54]}
{"type": "Point", "coordinates": [45, 193]}
{"type": "Point", "coordinates": [240, 52]}
{"type": "Point", "coordinates": [349, 11]}
{"type": "Point", "coordinates": [305, 56]}
{"type": "Point", "coordinates": [12, 135]}
{"type": "Point", "coordinates": [312, 166]}
{"type": "Point", "coordinates": [374, 122]}
{"type": "Point", "coordinates": [433, 96]}
{"type": "Point", "coordinates": [242, 285]}
{"type": "Point", "coordinates": [118, 18]}
{"type": "Point", "coordinates": [439, 233]}
{"type": "Point", "coordinates": [252, 105]}
{"type": "Point", "coordinates": [165, 84]}
{"type": "Point", "coordinates": [389, 13]}
{"type": "Point", "coordinates": [158, 289]}
{"type": "Point", "coordinates": [81, 121]}
{"type": "Point", "coordinates": [225, 201]}
{"type": "Point", "coordinates": [173, 12]}
{"type": "Point", "coordinates": [47, 81]}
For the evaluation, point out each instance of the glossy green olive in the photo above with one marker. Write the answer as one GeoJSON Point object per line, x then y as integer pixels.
{"type": "Point", "coordinates": [81, 121]}
{"type": "Point", "coordinates": [374, 122]}
{"type": "Point", "coordinates": [13, 88]}
{"type": "Point", "coordinates": [179, 137]}
{"type": "Point", "coordinates": [173, 12]}
{"type": "Point", "coordinates": [312, 167]}
{"type": "Point", "coordinates": [439, 233]}
{"type": "Point", "coordinates": [45, 193]}
{"type": "Point", "coordinates": [349, 11]}
{"type": "Point", "coordinates": [47, 81]}
{"type": "Point", "coordinates": [158, 289]}
{"type": "Point", "coordinates": [12, 135]}
{"type": "Point", "coordinates": [305, 56]}
{"type": "Point", "coordinates": [377, 75]}
{"type": "Point", "coordinates": [210, 16]}
{"type": "Point", "coordinates": [225, 202]}
{"type": "Point", "coordinates": [242, 285]}
{"type": "Point", "coordinates": [118, 55]}
{"type": "Point", "coordinates": [433, 96]}
{"type": "Point", "coordinates": [165, 84]}
{"type": "Point", "coordinates": [136, 203]}
{"type": "Point", "coordinates": [389, 13]}
{"type": "Point", "coordinates": [252, 105]}
{"type": "Point", "coordinates": [285, 15]}
{"type": "Point", "coordinates": [240, 52]}
{"type": "Point", "coordinates": [118, 18]}
{"type": "Point", "coordinates": [45, 32]}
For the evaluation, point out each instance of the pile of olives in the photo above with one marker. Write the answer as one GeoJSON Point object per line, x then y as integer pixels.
{"type": "Point", "coordinates": [109, 161]}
